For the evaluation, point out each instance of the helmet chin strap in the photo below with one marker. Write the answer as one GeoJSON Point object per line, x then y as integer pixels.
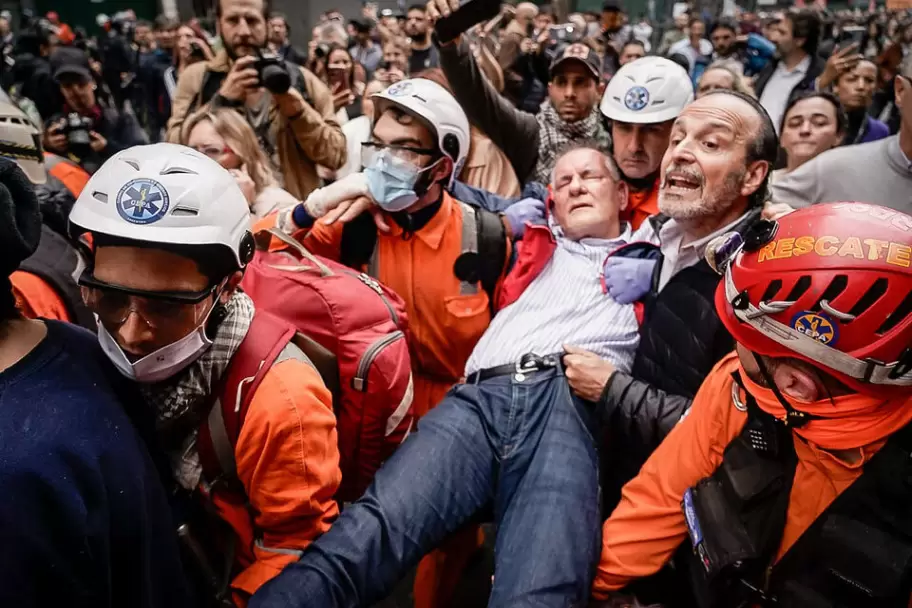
{"type": "Point", "coordinates": [794, 418]}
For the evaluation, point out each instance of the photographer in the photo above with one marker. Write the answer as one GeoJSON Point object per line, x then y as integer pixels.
{"type": "Point", "coordinates": [89, 130]}
{"type": "Point", "coordinates": [288, 107]}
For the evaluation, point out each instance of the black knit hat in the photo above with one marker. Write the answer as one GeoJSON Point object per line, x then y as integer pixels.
{"type": "Point", "coordinates": [20, 220]}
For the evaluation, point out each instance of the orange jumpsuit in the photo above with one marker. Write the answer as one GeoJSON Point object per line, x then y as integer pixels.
{"type": "Point", "coordinates": [288, 462]}
{"type": "Point", "coordinates": [648, 524]}
{"type": "Point", "coordinates": [35, 298]}
{"type": "Point", "coordinates": [640, 205]}
{"type": "Point", "coordinates": [444, 324]}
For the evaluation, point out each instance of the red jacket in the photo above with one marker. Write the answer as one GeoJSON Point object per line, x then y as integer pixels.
{"type": "Point", "coordinates": [534, 252]}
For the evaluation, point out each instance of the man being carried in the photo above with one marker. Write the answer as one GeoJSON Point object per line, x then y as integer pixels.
{"type": "Point", "coordinates": [512, 437]}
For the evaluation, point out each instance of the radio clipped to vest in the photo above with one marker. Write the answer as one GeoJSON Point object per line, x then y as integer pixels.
{"type": "Point", "coordinates": [857, 553]}
{"type": "Point", "coordinates": [735, 517]}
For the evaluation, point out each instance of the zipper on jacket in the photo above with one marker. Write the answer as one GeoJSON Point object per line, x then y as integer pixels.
{"type": "Point", "coordinates": [374, 285]}
{"type": "Point", "coordinates": [359, 382]}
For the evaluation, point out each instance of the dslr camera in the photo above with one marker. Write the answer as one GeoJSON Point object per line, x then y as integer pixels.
{"type": "Point", "coordinates": [273, 73]}
{"type": "Point", "coordinates": [76, 128]}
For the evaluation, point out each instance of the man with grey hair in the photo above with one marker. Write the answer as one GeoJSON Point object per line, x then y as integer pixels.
{"type": "Point", "coordinates": [511, 437]}
{"type": "Point", "coordinates": [878, 172]}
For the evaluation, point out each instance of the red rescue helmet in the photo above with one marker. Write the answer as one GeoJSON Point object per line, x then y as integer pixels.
{"type": "Point", "coordinates": [830, 285]}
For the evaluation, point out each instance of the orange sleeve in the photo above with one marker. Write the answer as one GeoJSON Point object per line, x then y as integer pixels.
{"type": "Point", "coordinates": [319, 239]}
{"type": "Point", "coordinates": [288, 460]}
{"type": "Point", "coordinates": [648, 524]}
{"type": "Point", "coordinates": [36, 298]}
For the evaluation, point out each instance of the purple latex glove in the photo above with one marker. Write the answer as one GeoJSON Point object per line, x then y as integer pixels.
{"type": "Point", "coordinates": [520, 212]}
{"type": "Point", "coordinates": [628, 279]}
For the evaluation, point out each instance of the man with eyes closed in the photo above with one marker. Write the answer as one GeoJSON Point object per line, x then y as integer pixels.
{"type": "Point", "coordinates": [713, 180]}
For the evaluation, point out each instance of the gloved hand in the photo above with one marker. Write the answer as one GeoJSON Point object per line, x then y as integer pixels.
{"type": "Point", "coordinates": [321, 201]}
{"type": "Point", "coordinates": [520, 212]}
{"type": "Point", "coordinates": [628, 279]}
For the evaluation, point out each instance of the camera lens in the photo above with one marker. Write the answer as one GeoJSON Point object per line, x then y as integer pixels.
{"type": "Point", "coordinates": [275, 78]}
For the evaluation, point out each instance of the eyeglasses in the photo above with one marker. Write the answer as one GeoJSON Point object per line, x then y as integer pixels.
{"type": "Point", "coordinates": [114, 303]}
{"type": "Point", "coordinates": [409, 154]}
{"type": "Point", "coordinates": [213, 152]}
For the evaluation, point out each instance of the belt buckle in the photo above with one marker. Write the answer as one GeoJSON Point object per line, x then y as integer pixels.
{"type": "Point", "coordinates": [529, 362]}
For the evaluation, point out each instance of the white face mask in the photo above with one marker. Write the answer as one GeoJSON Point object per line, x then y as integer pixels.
{"type": "Point", "coordinates": [162, 363]}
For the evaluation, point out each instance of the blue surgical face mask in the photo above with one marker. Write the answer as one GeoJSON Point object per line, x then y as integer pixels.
{"type": "Point", "coordinates": [391, 181]}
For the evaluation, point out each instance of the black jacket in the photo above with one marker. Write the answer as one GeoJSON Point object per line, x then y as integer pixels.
{"type": "Point", "coordinates": [681, 339]}
{"type": "Point", "coordinates": [806, 84]}
{"type": "Point", "coordinates": [33, 76]}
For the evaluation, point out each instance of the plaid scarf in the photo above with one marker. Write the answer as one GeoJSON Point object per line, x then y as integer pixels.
{"type": "Point", "coordinates": [554, 133]}
{"type": "Point", "coordinates": [179, 402]}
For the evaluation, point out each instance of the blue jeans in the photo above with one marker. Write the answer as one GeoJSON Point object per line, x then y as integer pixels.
{"type": "Point", "coordinates": [524, 448]}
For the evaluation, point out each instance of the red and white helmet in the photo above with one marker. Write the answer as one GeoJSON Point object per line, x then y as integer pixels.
{"type": "Point", "coordinates": [830, 285]}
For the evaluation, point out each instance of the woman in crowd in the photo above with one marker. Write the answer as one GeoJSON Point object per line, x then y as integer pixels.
{"type": "Point", "coordinates": [723, 75]}
{"type": "Point", "coordinates": [872, 43]}
{"type": "Point", "coordinates": [224, 136]}
{"type": "Point", "coordinates": [855, 90]}
{"type": "Point", "coordinates": [486, 166]}
{"type": "Point", "coordinates": [814, 122]}
{"type": "Point", "coordinates": [345, 87]}
{"type": "Point", "coordinates": [396, 55]}
{"type": "Point", "coordinates": [190, 47]}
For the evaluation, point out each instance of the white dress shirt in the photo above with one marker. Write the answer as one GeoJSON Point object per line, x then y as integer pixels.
{"type": "Point", "coordinates": [776, 94]}
{"type": "Point", "coordinates": [564, 304]}
{"type": "Point", "coordinates": [676, 254]}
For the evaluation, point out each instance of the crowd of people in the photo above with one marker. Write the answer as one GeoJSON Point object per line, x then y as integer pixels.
{"type": "Point", "coordinates": [286, 326]}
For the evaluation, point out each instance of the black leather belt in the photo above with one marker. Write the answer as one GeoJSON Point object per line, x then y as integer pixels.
{"type": "Point", "coordinates": [527, 364]}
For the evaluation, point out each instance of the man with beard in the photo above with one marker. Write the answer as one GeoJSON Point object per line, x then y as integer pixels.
{"type": "Point", "coordinates": [417, 27]}
{"type": "Point", "coordinates": [642, 101]}
{"type": "Point", "coordinates": [297, 129]}
{"type": "Point", "coordinates": [529, 141]}
{"type": "Point", "coordinates": [796, 67]}
{"type": "Point", "coordinates": [714, 181]}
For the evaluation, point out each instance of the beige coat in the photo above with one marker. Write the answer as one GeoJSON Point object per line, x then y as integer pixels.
{"type": "Point", "coordinates": [311, 139]}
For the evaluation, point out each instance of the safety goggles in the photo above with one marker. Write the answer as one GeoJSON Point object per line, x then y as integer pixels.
{"type": "Point", "coordinates": [408, 154]}
{"type": "Point", "coordinates": [114, 303]}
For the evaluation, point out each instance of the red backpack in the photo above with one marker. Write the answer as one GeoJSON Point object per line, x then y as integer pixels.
{"type": "Point", "coordinates": [354, 332]}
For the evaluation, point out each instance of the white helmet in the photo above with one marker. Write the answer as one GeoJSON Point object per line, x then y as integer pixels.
{"type": "Point", "coordinates": [433, 103]}
{"type": "Point", "coordinates": [166, 194]}
{"type": "Point", "coordinates": [20, 141]}
{"type": "Point", "coordinates": [647, 91]}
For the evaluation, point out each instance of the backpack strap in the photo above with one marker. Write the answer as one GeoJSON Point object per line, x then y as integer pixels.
{"type": "Point", "coordinates": [492, 249]}
{"type": "Point", "coordinates": [261, 348]}
{"type": "Point", "coordinates": [359, 243]}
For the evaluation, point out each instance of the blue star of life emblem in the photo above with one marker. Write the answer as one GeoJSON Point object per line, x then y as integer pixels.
{"type": "Point", "coordinates": [636, 98]}
{"type": "Point", "coordinates": [142, 201]}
